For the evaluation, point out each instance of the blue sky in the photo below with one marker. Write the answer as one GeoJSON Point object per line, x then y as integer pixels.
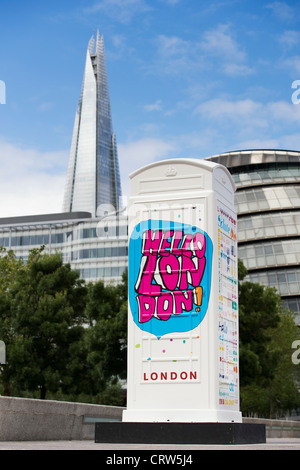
{"type": "Point", "coordinates": [187, 78]}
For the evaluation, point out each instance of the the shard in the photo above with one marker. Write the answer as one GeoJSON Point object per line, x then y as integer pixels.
{"type": "Point", "coordinates": [93, 180]}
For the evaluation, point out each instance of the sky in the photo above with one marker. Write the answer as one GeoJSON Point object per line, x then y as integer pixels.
{"type": "Point", "coordinates": [187, 78]}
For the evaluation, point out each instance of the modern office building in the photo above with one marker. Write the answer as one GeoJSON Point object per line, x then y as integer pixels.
{"type": "Point", "coordinates": [93, 181]}
{"type": "Point", "coordinates": [268, 207]}
{"type": "Point", "coordinates": [97, 248]}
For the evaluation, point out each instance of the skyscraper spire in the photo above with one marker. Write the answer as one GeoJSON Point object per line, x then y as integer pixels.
{"type": "Point", "coordinates": [93, 176]}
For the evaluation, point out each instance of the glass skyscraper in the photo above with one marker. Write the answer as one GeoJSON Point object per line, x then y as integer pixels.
{"type": "Point", "coordinates": [93, 180]}
{"type": "Point", "coordinates": [93, 243]}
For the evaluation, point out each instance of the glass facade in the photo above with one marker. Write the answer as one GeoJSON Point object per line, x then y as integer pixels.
{"type": "Point", "coordinates": [268, 207]}
{"type": "Point", "coordinates": [271, 253]}
{"type": "Point", "coordinates": [279, 224]}
{"type": "Point", "coordinates": [267, 199]}
{"type": "Point", "coordinates": [271, 173]}
{"type": "Point", "coordinates": [97, 248]}
{"type": "Point", "coordinates": [93, 178]}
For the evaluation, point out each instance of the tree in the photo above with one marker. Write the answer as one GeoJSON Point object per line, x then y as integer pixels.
{"type": "Point", "coordinates": [106, 337]}
{"type": "Point", "coordinates": [64, 338]}
{"type": "Point", "coordinates": [259, 312]}
{"type": "Point", "coordinates": [283, 390]}
{"type": "Point", "coordinates": [47, 301]}
{"type": "Point", "coordinates": [267, 331]}
{"type": "Point", "coordinates": [9, 267]}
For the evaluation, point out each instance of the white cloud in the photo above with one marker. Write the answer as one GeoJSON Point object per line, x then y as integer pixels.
{"type": "Point", "coordinates": [282, 141]}
{"type": "Point", "coordinates": [249, 110]}
{"type": "Point", "coordinates": [291, 141]}
{"type": "Point", "coordinates": [289, 38]}
{"type": "Point", "coordinates": [172, 45]}
{"type": "Point", "coordinates": [282, 10]}
{"type": "Point", "coordinates": [177, 55]}
{"type": "Point", "coordinates": [284, 112]}
{"type": "Point", "coordinates": [45, 106]}
{"type": "Point", "coordinates": [31, 182]}
{"type": "Point", "coordinates": [120, 10]}
{"type": "Point", "coordinates": [236, 70]}
{"type": "Point", "coordinates": [239, 124]}
{"type": "Point", "coordinates": [223, 109]}
{"type": "Point", "coordinates": [157, 106]}
{"type": "Point", "coordinates": [219, 42]}
{"type": "Point", "coordinates": [258, 144]}
{"type": "Point", "coordinates": [293, 63]}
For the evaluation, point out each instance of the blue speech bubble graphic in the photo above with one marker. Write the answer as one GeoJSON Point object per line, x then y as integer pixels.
{"type": "Point", "coordinates": [170, 266]}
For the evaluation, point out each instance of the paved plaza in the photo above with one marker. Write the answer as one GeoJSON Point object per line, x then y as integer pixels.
{"type": "Point", "coordinates": [271, 444]}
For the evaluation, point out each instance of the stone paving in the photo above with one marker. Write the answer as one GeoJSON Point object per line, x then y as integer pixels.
{"type": "Point", "coordinates": [271, 444]}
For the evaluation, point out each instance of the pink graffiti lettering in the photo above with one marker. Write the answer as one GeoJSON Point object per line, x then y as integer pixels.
{"type": "Point", "coordinates": [199, 245]}
{"type": "Point", "coordinates": [168, 242]}
{"type": "Point", "coordinates": [145, 278]}
{"type": "Point", "coordinates": [183, 301]}
{"type": "Point", "coordinates": [146, 305]}
{"type": "Point", "coordinates": [192, 271]}
{"type": "Point", "coordinates": [176, 240]}
{"type": "Point", "coordinates": [164, 305]}
{"type": "Point", "coordinates": [174, 262]}
{"type": "Point", "coordinates": [151, 242]}
{"type": "Point", "coordinates": [169, 269]}
{"type": "Point", "coordinates": [165, 243]}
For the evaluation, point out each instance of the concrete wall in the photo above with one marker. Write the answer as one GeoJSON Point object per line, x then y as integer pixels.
{"type": "Point", "coordinates": [23, 419]}
{"type": "Point", "coordinates": [277, 427]}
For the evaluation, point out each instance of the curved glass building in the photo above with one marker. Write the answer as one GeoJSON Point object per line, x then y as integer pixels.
{"type": "Point", "coordinates": [268, 208]}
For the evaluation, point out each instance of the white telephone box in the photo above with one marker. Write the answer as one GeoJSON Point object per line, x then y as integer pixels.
{"type": "Point", "coordinates": [183, 359]}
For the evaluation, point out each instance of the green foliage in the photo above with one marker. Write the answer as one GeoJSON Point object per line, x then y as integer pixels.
{"type": "Point", "coordinates": [280, 394]}
{"type": "Point", "coordinates": [63, 338]}
{"type": "Point", "coordinates": [267, 331]}
{"type": "Point", "coordinates": [106, 311]}
{"type": "Point", "coordinates": [46, 304]}
{"type": "Point", "coordinates": [9, 266]}
{"type": "Point", "coordinates": [67, 340]}
{"type": "Point", "coordinates": [259, 311]}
